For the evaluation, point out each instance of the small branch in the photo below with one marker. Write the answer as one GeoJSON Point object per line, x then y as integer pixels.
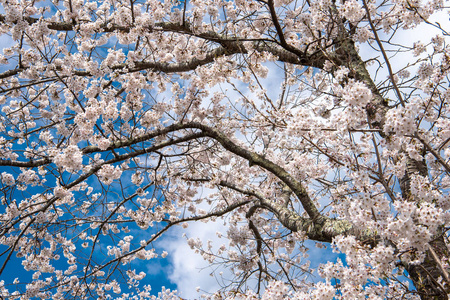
{"type": "Point", "coordinates": [254, 229]}
{"type": "Point", "coordinates": [380, 172]}
{"type": "Point", "coordinates": [386, 59]}
{"type": "Point", "coordinates": [279, 30]}
{"type": "Point", "coordinates": [432, 151]}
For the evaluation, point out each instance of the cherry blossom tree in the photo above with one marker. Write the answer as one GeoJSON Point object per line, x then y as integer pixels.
{"type": "Point", "coordinates": [121, 120]}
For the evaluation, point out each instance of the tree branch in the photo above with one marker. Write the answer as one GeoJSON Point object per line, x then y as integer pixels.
{"type": "Point", "coordinates": [228, 46]}
{"type": "Point", "coordinates": [322, 232]}
{"type": "Point", "coordinates": [434, 152]}
{"type": "Point", "coordinates": [256, 159]}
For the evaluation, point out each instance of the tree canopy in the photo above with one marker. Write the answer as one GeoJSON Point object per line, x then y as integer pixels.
{"type": "Point", "coordinates": [287, 121]}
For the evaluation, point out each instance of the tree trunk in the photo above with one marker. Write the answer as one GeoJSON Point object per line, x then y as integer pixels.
{"type": "Point", "coordinates": [430, 278]}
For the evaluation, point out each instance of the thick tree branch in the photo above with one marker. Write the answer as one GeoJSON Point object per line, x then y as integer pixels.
{"type": "Point", "coordinates": [256, 159]}
{"type": "Point", "coordinates": [228, 46]}
{"type": "Point", "coordinates": [252, 157]}
{"type": "Point", "coordinates": [322, 232]}
{"type": "Point", "coordinates": [25, 164]}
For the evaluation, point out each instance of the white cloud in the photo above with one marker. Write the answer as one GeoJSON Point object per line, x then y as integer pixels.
{"type": "Point", "coordinates": [189, 270]}
{"type": "Point", "coordinates": [422, 33]}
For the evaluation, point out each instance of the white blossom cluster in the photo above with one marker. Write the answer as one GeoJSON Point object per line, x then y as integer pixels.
{"type": "Point", "coordinates": [353, 11]}
{"type": "Point", "coordinates": [109, 173]}
{"type": "Point", "coordinates": [401, 120]}
{"type": "Point", "coordinates": [356, 94]}
{"type": "Point", "coordinates": [70, 159]}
